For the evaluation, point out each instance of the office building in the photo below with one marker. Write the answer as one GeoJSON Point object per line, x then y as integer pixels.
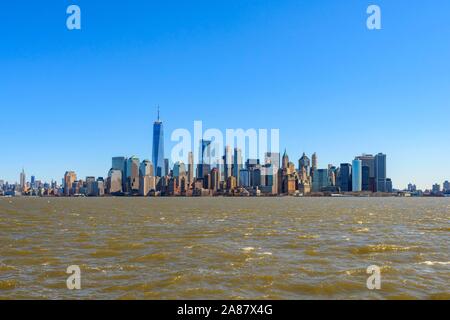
{"type": "Point", "coordinates": [158, 148]}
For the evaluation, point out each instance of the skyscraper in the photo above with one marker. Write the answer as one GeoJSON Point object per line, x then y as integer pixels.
{"type": "Point", "coordinates": [158, 148]}
{"type": "Point", "coordinates": [133, 175]}
{"type": "Point", "coordinates": [345, 177]}
{"type": "Point", "coordinates": [237, 164]}
{"type": "Point", "coordinates": [146, 168]}
{"type": "Point", "coordinates": [357, 175]}
{"type": "Point", "coordinates": [366, 178]}
{"type": "Point", "coordinates": [204, 165]}
{"type": "Point", "coordinates": [190, 169]}
{"type": "Point", "coordinates": [22, 180]}
{"type": "Point", "coordinates": [228, 163]}
{"type": "Point", "coordinates": [69, 178]}
{"type": "Point", "coordinates": [314, 161]}
{"type": "Point", "coordinates": [320, 179]}
{"type": "Point", "coordinates": [380, 172]}
{"type": "Point", "coordinates": [368, 160]}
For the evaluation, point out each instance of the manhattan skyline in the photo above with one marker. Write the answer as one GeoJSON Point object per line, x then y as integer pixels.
{"type": "Point", "coordinates": [73, 100]}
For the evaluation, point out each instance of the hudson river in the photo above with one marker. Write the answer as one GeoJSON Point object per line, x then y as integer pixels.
{"type": "Point", "coordinates": [220, 248]}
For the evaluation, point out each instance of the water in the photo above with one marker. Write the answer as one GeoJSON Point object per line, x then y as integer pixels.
{"type": "Point", "coordinates": [224, 248]}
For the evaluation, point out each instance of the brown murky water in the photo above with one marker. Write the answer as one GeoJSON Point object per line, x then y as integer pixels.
{"type": "Point", "coordinates": [215, 248]}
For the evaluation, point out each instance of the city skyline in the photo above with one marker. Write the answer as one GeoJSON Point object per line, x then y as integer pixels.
{"type": "Point", "coordinates": [365, 173]}
{"type": "Point", "coordinates": [74, 99]}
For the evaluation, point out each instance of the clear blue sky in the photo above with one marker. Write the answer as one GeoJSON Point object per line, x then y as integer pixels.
{"type": "Point", "coordinates": [70, 100]}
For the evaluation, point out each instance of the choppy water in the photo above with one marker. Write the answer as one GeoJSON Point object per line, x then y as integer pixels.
{"type": "Point", "coordinates": [215, 248]}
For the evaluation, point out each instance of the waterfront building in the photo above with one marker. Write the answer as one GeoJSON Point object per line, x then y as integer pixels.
{"type": "Point", "coordinates": [380, 172]}
{"type": "Point", "coordinates": [114, 182]}
{"type": "Point", "coordinates": [133, 164]}
{"type": "Point", "coordinates": [179, 169]}
{"type": "Point", "coordinates": [446, 187]}
{"type": "Point", "coordinates": [90, 188]}
{"type": "Point", "coordinates": [345, 177]}
{"type": "Point", "coordinates": [237, 164]}
{"type": "Point", "coordinates": [320, 180]}
{"type": "Point", "coordinates": [365, 183]}
{"type": "Point", "coordinates": [368, 160]}
{"type": "Point", "coordinates": [23, 184]}
{"type": "Point", "coordinates": [204, 165]}
{"type": "Point", "coordinates": [304, 162]}
{"type": "Point", "coordinates": [191, 169]}
{"type": "Point", "coordinates": [436, 189]}
{"type": "Point", "coordinates": [228, 163]}
{"type": "Point", "coordinates": [147, 184]}
{"type": "Point", "coordinates": [356, 175]}
{"type": "Point", "coordinates": [231, 183]}
{"type": "Point", "coordinates": [244, 178]}
{"type": "Point", "coordinates": [158, 148]}
{"type": "Point", "coordinates": [215, 179]}
{"type": "Point", "coordinates": [389, 187]}
{"type": "Point", "coordinates": [146, 168]}
{"type": "Point", "coordinates": [314, 161]}
{"type": "Point", "coordinates": [273, 158]}
{"type": "Point", "coordinates": [69, 178]}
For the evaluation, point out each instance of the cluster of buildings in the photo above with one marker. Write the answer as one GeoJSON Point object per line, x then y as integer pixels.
{"type": "Point", "coordinates": [274, 175]}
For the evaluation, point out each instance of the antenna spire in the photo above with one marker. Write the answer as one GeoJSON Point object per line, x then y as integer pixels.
{"type": "Point", "coordinates": [158, 112]}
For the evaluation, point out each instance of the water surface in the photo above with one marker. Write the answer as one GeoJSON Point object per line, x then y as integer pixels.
{"type": "Point", "coordinates": [224, 248]}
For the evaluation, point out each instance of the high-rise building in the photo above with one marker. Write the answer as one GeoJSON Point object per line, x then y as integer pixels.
{"type": "Point", "coordinates": [345, 177]}
{"type": "Point", "coordinates": [146, 168]}
{"type": "Point", "coordinates": [244, 178]}
{"type": "Point", "coordinates": [191, 169]}
{"type": "Point", "coordinates": [320, 180]}
{"type": "Point", "coordinates": [158, 148]}
{"type": "Point", "coordinates": [356, 175]}
{"type": "Point", "coordinates": [314, 161]}
{"type": "Point", "coordinates": [228, 163]}
{"type": "Point", "coordinates": [69, 179]}
{"type": "Point", "coordinates": [380, 172]}
{"type": "Point", "coordinates": [365, 178]}
{"type": "Point", "coordinates": [273, 158]}
{"type": "Point", "coordinates": [114, 182]}
{"type": "Point", "coordinates": [133, 164]}
{"type": "Point", "coordinates": [214, 179]}
{"type": "Point", "coordinates": [90, 181]}
{"type": "Point", "coordinates": [179, 169]}
{"type": "Point", "coordinates": [204, 164]}
{"type": "Point", "coordinates": [436, 189]}
{"type": "Point", "coordinates": [166, 167]}
{"type": "Point", "coordinates": [23, 178]}
{"type": "Point", "coordinates": [237, 164]}
{"type": "Point", "coordinates": [368, 160]}
{"type": "Point", "coordinates": [446, 187]}
{"type": "Point", "coordinates": [120, 163]}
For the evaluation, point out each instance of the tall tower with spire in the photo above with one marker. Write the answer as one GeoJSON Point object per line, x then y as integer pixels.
{"type": "Point", "coordinates": [22, 180]}
{"type": "Point", "coordinates": [158, 147]}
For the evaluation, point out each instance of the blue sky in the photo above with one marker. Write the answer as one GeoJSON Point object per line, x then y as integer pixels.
{"type": "Point", "coordinates": [70, 100]}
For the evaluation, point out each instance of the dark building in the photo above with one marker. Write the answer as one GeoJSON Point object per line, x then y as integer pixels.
{"type": "Point", "coordinates": [366, 178]}
{"type": "Point", "coordinates": [345, 177]}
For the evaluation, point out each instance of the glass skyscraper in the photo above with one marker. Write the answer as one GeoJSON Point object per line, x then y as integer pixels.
{"type": "Point", "coordinates": [345, 177]}
{"type": "Point", "coordinates": [158, 148]}
{"type": "Point", "coordinates": [380, 172]}
{"type": "Point", "coordinates": [357, 175]}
